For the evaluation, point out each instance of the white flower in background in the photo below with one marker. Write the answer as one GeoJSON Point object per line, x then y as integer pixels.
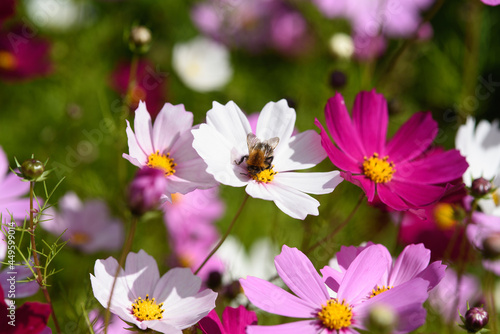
{"type": "Point", "coordinates": [167, 304]}
{"type": "Point", "coordinates": [481, 147]}
{"type": "Point", "coordinates": [258, 262]}
{"type": "Point", "coordinates": [167, 145]}
{"type": "Point", "coordinates": [264, 162]}
{"type": "Point", "coordinates": [58, 14]}
{"type": "Point", "coordinates": [342, 45]}
{"type": "Point", "coordinates": [202, 64]}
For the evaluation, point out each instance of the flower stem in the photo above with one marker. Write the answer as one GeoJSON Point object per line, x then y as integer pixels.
{"type": "Point", "coordinates": [339, 227]}
{"type": "Point", "coordinates": [123, 257]}
{"type": "Point", "coordinates": [39, 276]}
{"type": "Point", "coordinates": [490, 300]}
{"type": "Point", "coordinates": [224, 236]}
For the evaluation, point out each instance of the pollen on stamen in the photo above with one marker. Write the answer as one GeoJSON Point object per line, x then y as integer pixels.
{"type": "Point", "coordinates": [379, 290]}
{"type": "Point", "coordinates": [147, 309]}
{"type": "Point", "coordinates": [265, 176]}
{"type": "Point", "coordinates": [335, 315]}
{"type": "Point", "coordinates": [378, 170]}
{"type": "Point", "coordinates": [163, 162]}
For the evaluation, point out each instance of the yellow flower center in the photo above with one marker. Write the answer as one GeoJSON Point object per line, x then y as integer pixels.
{"type": "Point", "coordinates": [335, 315]}
{"type": "Point", "coordinates": [266, 176]}
{"type": "Point", "coordinates": [379, 290]}
{"type": "Point", "coordinates": [79, 238]}
{"type": "Point", "coordinates": [7, 60]}
{"type": "Point", "coordinates": [163, 162]}
{"type": "Point", "coordinates": [496, 198]}
{"type": "Point", "coordinates": [147, 309]}
{"type": "Point", "coordinates": [378, 170]}
{"type": "Point", "coordinates": [444, 216]}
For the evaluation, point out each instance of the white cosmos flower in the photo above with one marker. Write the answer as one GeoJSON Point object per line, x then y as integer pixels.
{"type": "Point", "coordinates": [202, 64]}
{"type": "Point", "coordinates": [167, 304]}
{"type": "Point", "coordinates": [481, 147]}
{"type": "Point", "coordinates": [222, 143]}
{"type": "Point", "coordinates": [168, 145]}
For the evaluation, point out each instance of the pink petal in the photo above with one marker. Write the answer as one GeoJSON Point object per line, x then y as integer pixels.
{"type": "Point", "coordinates": [412, 138]}
{"type": "Point", "coordinates": [299, 274]}
{"type": "Point", "coordinates": [273, 299]}
{"type": "Point", "coordinates": [211, 324]}
{"type": "Point", "coordinates": [302, 327]}
{"type": "Point", "coordinates": [419, 195]}
{"type": "Point", "coordinates": [433, 274]}
{"type": "Point", "coordinates": [4, 164]}
{"type": "Point", "coordinates": [169, 123]}
{"type": "Point", "coordinates": [237, 319]}
{"type": "Point", "coordinates": [12, 186]}
{"type": "Point", "coordinates": [135, 150]}
{"type": "Point", "coordinates": [361, 181]}
{"type": "Point", "coordinates": [332, 277]}
{"type": "Point", "coordinates": [412, 260]}
{"type": "Point", "coordinates": [342, 130]}
{"type": "Point", "coordinates": [391, 199]}
{"type": "Point", "coordinates": [370, 118]}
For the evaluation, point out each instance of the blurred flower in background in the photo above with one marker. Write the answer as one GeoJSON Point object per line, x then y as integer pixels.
{"type": "Point", "coordinates": [254, 25]}
{"type": "Point", "coordinates": [484, 234]}
{"type": "Point", "coordinates": [86, 226]}
{"type": "Point", "coordinates": [20, 273]}
{"type": "Point", "coordinates": [202, 64]}
{"type": "Point", "coordinates": [7, 9]}
{"type": "Point", "coordinates": [145, 190]}
{"type": "Point", "coordinates": [491, 2]}
{"type": "Point", "coordinates": [59, 15]}
{"type": "Point", "coordinates": [234, 321]}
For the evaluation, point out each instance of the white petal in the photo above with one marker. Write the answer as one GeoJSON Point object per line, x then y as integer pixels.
{"type": "Point", "coordinates": [277, 119]}
{"type": "Point", "coordinates": [304, 151]}
{"type": "Point", "coordinates": [188, 311]}
{"type": "Point", "coordinates": [169, 124]}
{"type": "Point", "coordinates": [143, 128]}
{"type": "Point", "coordinates": [134, 149]}
{"type": "Point", "coordinates": [259, 190]}
{"type": "Point", "coordinates": [145, 265]}
{"type": "Point", "coordinates": [218, 154]}
{"type": "Point", "coordinates": [104, 271]}
{"type": "Point", "coordinates": [312, 183]}
{"type": "Point", "coordinates": [293, 202]}
{"type": "Point", "coordinates": [176, 284]}
{"type": "Point", "coordinates": [162, 327]}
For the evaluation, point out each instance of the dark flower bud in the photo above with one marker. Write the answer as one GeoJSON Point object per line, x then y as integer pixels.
{"type": "Point", "coordinates": [491, 246]}
{"type": "Point", "coordinates": [232, 290]}
{"type": "Point", "coordinates": [32, 169]}
{"type": "Point", "coordinates": [476, 319]}
{"type": "Point", "coordinates": [337, 80]}
{"type": "Point", "coordinates": [214, 280]}
{"type": "Point", "coordinates": [480, 187]}
{"type": "Point", "coordinates": [140, 39]}
{"type": "Point", "coordinates": [146, 190]}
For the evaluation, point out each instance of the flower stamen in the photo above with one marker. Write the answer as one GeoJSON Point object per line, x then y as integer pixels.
{"type": "Point", "coordinates": [379, 290]}
{"type": "Point", "coordinates": [163, 162]}
{"type": "Point", "coordinates": [378, 170]}
{"type": "Point", "coordinates": [335, 315]}
{"type": "Point", "coordinates": [147, 309]}
{"type": "Point", "coordinates": [7, 60]}
{"type": "Point", "coordinates": [266, 176]}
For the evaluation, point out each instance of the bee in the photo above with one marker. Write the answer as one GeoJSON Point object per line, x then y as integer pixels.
{"type": "Point", "coordinates": [260, 154]}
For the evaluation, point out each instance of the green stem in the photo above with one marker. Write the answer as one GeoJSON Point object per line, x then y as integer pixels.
{"type": "Point", "coordinates": [123, 257]}
{"type": "Point", "coordinates": [490, 296]}
{"type": "Point", "coordinates": [224, 236]}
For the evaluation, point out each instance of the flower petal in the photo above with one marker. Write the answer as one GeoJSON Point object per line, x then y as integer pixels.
{"type": "Point", "coordinates": [418, 195]}
{"type": "Point", "coordinates": [412, 260]}
{"type": "Point", "coordinates": [12, 186]}
{"type": "Point", "coordinates": [273, 299]}
{"type": "Point", "coordinates": [302, 327]}
{"type": "Point", "coordinates": [276, 119]}
{"type": "Point", "coordinates": [169, 124]}
{"type": "Point", "coordinates": [312, 183]}
{"type": "Point", "coordinates": [162, 327]}
{"type": "Point", "coordinates": [299, 274]}
{"type": "Point", "coordinates": [136, 155]}
{"type": "Point", "coordinates": [176, 284]}
{"type": "Point", "coordinates": [237, 319]}
{"type": "Point", "coordinates": [370, 118]}
{"type": "Point", "coordinates": [412, 138]}
{"type": "Point", "coordinates": [211, 324]}
{"type": "Point", "coordinates": [391, 199]}
{"type": "Point", "coordinates": [144, 264]}
{"type": "Point", "coordinates": [187, 311]}
{"type": "Point", "coordinates": [433, 274]}
{"type": "Point", "coordinates": [143, 128]}
{"type": "Point", "coordinates": [304, 151]}
{"type": "Point", "coordinates": [361, 181]}
{"type": "Point", "coordinates": [293, 202]}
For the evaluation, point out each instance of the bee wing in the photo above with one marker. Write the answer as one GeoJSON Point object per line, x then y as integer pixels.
{"type": "Point", "coordinates": [252, 141]}
{"type": "Point", "coordinates": [272, 143]}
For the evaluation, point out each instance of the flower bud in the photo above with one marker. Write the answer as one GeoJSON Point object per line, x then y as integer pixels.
{"type": "Point", "coordinates": [32, 169]}
{"type": "Point", "coordinates": [476, 319]}
{"type": "Point", "coordinates": [214, 280]}
{"type": "Point", "coordinates": [232, 290]}
{"type": "Point", "coordinates": [337, 79]}
{"type": "Point", "coordinates": [140, 39]}
{"type": "Point", "coordinates": [480, 187]}
{"type": "Point", "coordinates": [146, 189]}
{"type": "Point", "coordinates": [491, 246]}
{"type": "Point", "coordinates": [381, 319]}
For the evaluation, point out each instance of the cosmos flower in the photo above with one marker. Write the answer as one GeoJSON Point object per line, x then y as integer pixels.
{"type": "Point", "coordinates": [86, 226]}
{"type": "Point", "coordinates": [11, 190]}
{"type": "Point", "coordinates": [413, 262]}
{"type": "Point", "coordinates": [202, 64]}
{"type": "Point", "coordinates": [224, 143]}
{"type": "Point", "coordinates": [234, 321]}
{"type": "Point", "coordinates": [115, 326]}
{"type": "Point", "coordinates": [485, 229]}
{"type": "Point", "coordinates": [167, 145]}
{"type": "Point", "coordinates": [145, 190]}
{"type": "Point", "coordinates": [150, 85]}
{"type": "Point", "coordinates": [344, 313]}
{"type": "Point", "coordinates": [451, 295]}
{"type": "Point", "coordinates": [167, 304]}
{"type": "Point", "coordinates": [23, 58]}
{"type": "Point", "coordinates": [491, 2]}
{"type": "Point", "coordinates": [402, 172]}
{"type": "Point", "coordinates": [22, 289]}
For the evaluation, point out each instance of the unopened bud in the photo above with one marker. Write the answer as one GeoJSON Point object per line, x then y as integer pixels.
{"type": "Point", "coordinates": [232, 290]}
{"type": "Point", "coordinates": [382, 319]}
{"type": "Point", "coordinates": [337, 79]}
{"type": "Point", "coordinates": [140, 39]}
{"type": "Point", "coordinates": [146, 190]}
{"type": "Point", "coordinates": [32, 169]}
{"type": "Point", "coordinates": [491, 246]}
{"type": "Point", "coordinates": [214, 280]}
{"type": "Point", "coordinates": [480, 187]}
{"type": "Point", "coordinates": [476, 319]}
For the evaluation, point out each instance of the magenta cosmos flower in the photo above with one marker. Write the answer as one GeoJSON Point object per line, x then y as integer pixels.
{"type": "Point", "coordinates": [234, 321]}
{"type": "Point", "coordinates": [342, 313]}
{"type": "Point", "coordinates": [402, 172]}
{"type": "Point", "coordinates": [167, 145]}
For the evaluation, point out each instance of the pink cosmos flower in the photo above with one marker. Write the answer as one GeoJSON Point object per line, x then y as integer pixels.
{"type": "Point", "coordinates": [401, 172]}
{"type": "Point", "coordinates": [413, 262]}
{"type": "Point", "coordinates": [167, 145]}
{"type": "Point", "coordinates": [484, 227]}
{"type": "Point", "coordinates": [115, 326]}
{"type": "Point", "coordinates": [145, 190]}
{"type": "Point", "coordinates": [87, 226]}
{"type": "Point", "coordinates": [11, 190]}
{"type": "Point", "coordinates": [150, 85]}
{"type": "Point", "coordinates": [22, 289]}
{"type": "Point", "coordinates": [225, 141]}
{"type": "Point", "coordinates": [22, 57]}
{"type": "Point", "coordinates": [234, 321]}
{"type": "Point", "coordinates": [167, 304]}
{"type": "Point", "coordinates": [344, 313]}
{"type": "Point", "coordinates": [491, 2]}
